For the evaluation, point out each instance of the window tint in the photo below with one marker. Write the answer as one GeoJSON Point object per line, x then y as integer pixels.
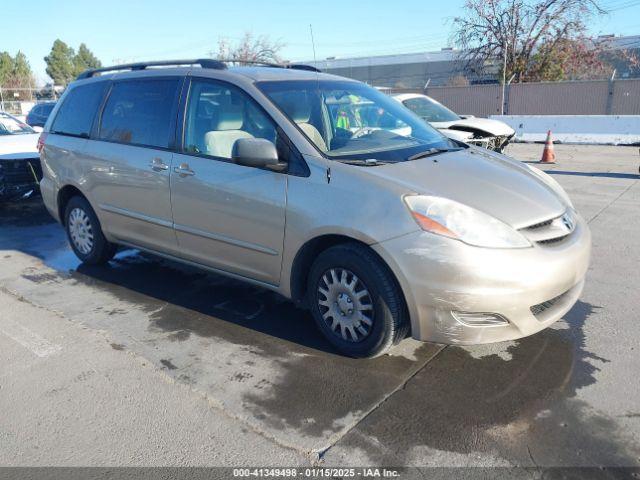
{"type": "Point", "coordinates": [218, 115]}
{"type": "Point", "coordinates": [76, 113]}
{"type": "Point", "coordinates": [140, 112]}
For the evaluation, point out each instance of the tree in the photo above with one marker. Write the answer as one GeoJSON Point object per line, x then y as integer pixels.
{"type": "Point", "coordinates": [16, 77]}
{"type": "Point", "coordinates": [6, 67]}
{"type": "Point", "coordinates": [517, 30]}
{"type": "Point", "coordinates": [84, 60]}
{"type": "Point", "coordinates": [60, 63]}
{"type": "Point", "coordinates": [579, 59]}
{"type": "Point", "coordinates": [250, 49]}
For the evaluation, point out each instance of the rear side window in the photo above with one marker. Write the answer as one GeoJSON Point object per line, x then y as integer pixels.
{"type": "Point", "coordinates": [140, 112]}
{"type": "Point", "coordinates": [76, 113]}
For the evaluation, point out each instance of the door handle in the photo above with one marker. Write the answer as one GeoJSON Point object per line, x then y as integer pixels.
{"type": "Point", "coordinates": [184, 170]}
{"type": "Point", "coordinates": [158, 165]}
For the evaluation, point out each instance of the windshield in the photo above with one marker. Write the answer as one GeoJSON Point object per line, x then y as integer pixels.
{"type": "Point", "coordinates": [12, 126]}
{"type": "Point", "coordinates": [430, 110]}
{"type": "Point", "coordinates": [349, 120]}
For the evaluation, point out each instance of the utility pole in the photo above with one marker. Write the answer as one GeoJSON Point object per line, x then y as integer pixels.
{"type": "Point", "coordinates": [504, 76]}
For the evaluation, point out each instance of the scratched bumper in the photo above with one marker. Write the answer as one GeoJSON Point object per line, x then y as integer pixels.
{"type": "Point", "coordinates": [531, 287]}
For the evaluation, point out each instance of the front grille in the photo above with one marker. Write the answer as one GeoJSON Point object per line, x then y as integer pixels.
{"type": "Point", "coordinates": [546, 223]}
{"type": "Point", "coordinates": [551, 231]}
{"type": "Point", "coordinates": [18, 172]}
{"type": "Point", "coordinates": [544, 306]}
{"type": "Point", "coordinates": [552, 240]}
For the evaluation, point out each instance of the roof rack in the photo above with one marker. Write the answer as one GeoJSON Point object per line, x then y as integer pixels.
{"type": "Point", "coordinates": [293, 66]}
{"type": "Point", "coordinates": [203, 62]}
{"type": "Point", "coordinates": [301, 66]}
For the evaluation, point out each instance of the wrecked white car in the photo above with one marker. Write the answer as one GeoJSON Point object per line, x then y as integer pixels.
{"type": "Point", "coordinates": [20, 169]}
{"type": "Point", "coordinates": [483, 132]}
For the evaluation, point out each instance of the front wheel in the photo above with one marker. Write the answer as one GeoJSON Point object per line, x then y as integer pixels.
{"type": "Point", "coordinates": [356, 302]}
{"type": "Point", "coordinates": [85, 234]}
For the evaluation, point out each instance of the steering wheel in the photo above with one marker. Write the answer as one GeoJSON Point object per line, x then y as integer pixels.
{"type": "Point", "coordinates": [362, 131]}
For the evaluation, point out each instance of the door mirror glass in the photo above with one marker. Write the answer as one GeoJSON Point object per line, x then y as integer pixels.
{"type": "Point", "coordinates": [255, 152]}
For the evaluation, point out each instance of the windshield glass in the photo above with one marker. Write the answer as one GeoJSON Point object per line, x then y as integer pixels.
{"type": "Point", "coordinates": [12, 126]}
{"type": "Point", "coordinates": [349, 120]}
{"type": "Point", "coordinates": [430, 110]}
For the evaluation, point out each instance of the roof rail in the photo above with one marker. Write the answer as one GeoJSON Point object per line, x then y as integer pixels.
{"type": "Point", "coordinates": [203, 62]}
{"type": "Point", "coordinates": [301, 66]}
{"type": "Point", "coordinates": [293, 66]}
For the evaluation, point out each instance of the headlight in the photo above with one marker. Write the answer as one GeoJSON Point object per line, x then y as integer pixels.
{"type": "Point", "coordinates": [551, 183]}
{"type": "Point", "coordinates": [455, 220]}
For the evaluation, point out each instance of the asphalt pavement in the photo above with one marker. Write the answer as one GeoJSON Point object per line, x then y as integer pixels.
{"type": "Point", "coordinates": [147, 362]}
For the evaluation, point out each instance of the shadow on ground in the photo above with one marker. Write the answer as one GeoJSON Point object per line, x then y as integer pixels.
{"type": "Point", "coordinates": [633, 176]}
{"type": "Point", "coordinates": [518, 404]}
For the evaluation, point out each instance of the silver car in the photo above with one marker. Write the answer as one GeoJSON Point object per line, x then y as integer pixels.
{"type": "Point", "coordinates": [317, 187]}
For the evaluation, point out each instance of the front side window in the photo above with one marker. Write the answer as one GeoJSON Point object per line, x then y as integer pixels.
{"type": "Point", "coordinates": [140, 112]}
{"type": "Point", "coordinates": [430, 110]}
{"type": "Point", "coordinates": [350, 120]}
{"type": "Point", "coordinates": [12, 126]}
{"type": "Point", "coordinates": [218, 115]}
{"type": "Point", "coordinates": [75, 115]}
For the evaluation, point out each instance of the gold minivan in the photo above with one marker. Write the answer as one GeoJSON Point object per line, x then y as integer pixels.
{"type": "Point", "coordinates": [320, 188]}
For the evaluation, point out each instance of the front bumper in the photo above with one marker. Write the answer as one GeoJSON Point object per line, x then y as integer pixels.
{"type": "Point", "coordinates": [19, 177]}
{"type": "Point", "coordinates": [531, 287]}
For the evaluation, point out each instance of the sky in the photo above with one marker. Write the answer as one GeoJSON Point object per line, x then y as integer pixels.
{"type": "Point", "coordinates": [119, 31]}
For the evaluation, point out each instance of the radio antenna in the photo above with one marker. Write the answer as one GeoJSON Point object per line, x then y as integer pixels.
{"type": "Point", "coordinates": [313, 45]}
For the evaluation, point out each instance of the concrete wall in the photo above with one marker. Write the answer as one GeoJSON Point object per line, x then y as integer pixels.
{"type": "Point", "coordinates": [589, 129]}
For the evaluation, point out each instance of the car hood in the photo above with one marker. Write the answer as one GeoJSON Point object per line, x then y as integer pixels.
{"type": "Point", "coordinates": [19, 146]}
{"type": "Point", "coordinates": [486, 181]}
{"type": "Point", "coordinates": [456, 134]}
{"type": "Point", "coordinates": [492, 127]}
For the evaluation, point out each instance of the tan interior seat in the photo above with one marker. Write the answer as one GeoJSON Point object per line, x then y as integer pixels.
{"type": "Point", "coordinates": [226, 130]}
{"type": "Point", "coordinates": [300, 113]}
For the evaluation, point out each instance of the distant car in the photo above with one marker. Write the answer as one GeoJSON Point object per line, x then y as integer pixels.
{"type": "Point", "coordinates": [38, 115]}
{"type": "Point", "coordinates": [483, 132]}
{"type": "Point", "coordinates": [20, 170]}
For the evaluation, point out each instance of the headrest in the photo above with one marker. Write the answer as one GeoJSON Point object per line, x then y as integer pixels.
{"type": "Point", "coordinates": [298, 108]}
{"type": "Point", "coordinates": [230, 117]}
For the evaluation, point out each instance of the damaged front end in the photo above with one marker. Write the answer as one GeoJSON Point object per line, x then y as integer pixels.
{"type": "Point", "coordinates": [496, 143]}
{"type": "Point", "coordinates": [19, 177]}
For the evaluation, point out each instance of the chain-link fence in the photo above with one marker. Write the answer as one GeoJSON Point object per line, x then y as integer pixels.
{"type": "Point", "coordinates": [19, 101]}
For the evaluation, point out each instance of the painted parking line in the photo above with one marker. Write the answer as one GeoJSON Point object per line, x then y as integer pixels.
{"type": "Point", "coordinates": [30, 340]}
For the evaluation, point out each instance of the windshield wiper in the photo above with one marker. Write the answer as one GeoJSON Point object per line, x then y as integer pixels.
{"type": "Point", "coordinates": [431, 152]}
{"type": "Point", "coordinates": [369, 162]}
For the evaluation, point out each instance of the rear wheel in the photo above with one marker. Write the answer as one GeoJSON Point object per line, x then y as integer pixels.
{"type": "Point", "coordinates": [85, 234]}
{"type": "Point", "coordinates": [356, 302]}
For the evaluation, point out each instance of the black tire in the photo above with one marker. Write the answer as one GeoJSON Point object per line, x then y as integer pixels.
{"type": "Point", "coordinates": [101, 250]}
{"type": "Point", "coordinates": [390, 319]}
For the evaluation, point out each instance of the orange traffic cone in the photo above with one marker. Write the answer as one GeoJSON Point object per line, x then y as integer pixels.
{"type": "Point", "coordinates": [548, 155]}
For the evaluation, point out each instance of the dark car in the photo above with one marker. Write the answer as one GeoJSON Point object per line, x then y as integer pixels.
{"type": "Point", "coordinates": [38, 115]}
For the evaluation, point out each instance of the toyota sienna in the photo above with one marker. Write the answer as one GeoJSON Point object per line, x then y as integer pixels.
{"type": "Point", "coordinates": [317, 187]}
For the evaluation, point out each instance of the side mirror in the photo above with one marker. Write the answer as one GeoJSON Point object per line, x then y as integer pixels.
{"type": "Point", "coordinates": [256, 152]}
